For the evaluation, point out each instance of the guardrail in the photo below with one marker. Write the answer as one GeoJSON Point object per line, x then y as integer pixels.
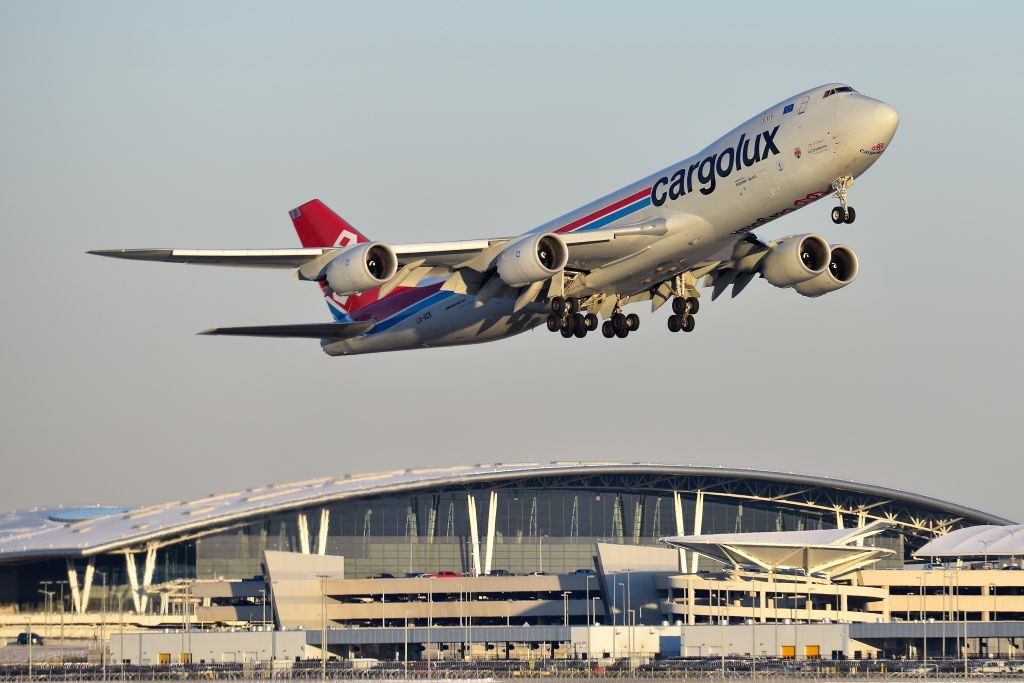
{"type": "Point", "coordinates": [553, 670]}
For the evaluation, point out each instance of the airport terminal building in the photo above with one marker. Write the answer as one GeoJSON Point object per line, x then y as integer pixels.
{"type": "Point", "coordinates": [475, 520]}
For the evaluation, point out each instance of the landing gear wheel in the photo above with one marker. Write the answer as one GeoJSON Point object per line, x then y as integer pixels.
{"type": "Point", "coordinates": [590, 320]}
{"type": "Point", "coordinates": [692, 305]}
{"type": "Point", "coordinates": [618, 322]}
{"type": "Point", "coordinates": [572, 305]}
{"type": "Point", "coordinates": [553, 323]}
{"type": "Point", "coordinates": [674, 324]}
{"type": "Point", "coordinates": [622, 332]}
{"type": "Point", "coordinates": [566, 331]}
{"type": "Point", "coordinates": [607, 330]}
{"type": "Point", "coordinates": [558, 305]}
{"type": "Point", "coordinates": [579, 326]}
{"type": "Point", "coordinates": [632, 322]}
{"type": "Point", "coordinates": [687, 324]}
{"type": "Point", "coordinates": [679, 305]}
{"type": "Point", "coordinates": [837, 215]}
{"type": "Point", "coordinates": [851, 215]}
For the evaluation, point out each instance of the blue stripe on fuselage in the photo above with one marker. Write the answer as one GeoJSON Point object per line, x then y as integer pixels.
{"type": "Point", "coordinates": [388, 323]}
{"type": "Point", "coordinates": [616, 215]}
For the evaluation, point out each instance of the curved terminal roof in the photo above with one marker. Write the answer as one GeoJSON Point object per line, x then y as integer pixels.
{"type": "Point", "coordinates": [977, 541]}
{"type": "Point", "coordinates": [36, 534]}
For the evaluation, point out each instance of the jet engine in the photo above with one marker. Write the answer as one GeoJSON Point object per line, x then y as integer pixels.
{"type": "Point", "coordinates": [531, 259]}
{"type": "Point", "coordinates": [361, 267]}
{"type": "Point", "coordinates": [842, 269]}
{"type": "Point", "coordinates": [796, 259]}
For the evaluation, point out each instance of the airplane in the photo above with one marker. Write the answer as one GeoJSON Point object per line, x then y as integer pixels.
{"type": "Point", "coordinates": [653, 240]}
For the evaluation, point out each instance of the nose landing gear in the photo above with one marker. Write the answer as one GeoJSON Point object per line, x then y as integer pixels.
{"type": "Point", "coordinates": [843, 213]}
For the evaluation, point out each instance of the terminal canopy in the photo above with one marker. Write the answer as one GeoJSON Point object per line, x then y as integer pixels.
{"type": "Point", "coordinates": [831, 552]}
{"type": "Point", "coordinates": [986, 540]}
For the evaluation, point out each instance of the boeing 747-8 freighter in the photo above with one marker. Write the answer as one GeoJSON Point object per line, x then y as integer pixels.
{"type": "Point", "coordinates": [653, 240]}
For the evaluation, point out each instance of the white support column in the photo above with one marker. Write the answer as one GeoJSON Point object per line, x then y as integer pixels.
{"type": "Point", "coordinates": [677, 500]}
{"type": "Point", "coordinates": [492, 518]}
{"type": "Point", "coordinates": [474, 534]}
{"type": "Point", "coordinates": [76, 597]}
{"type": "Point", "coordinates": [321, 541]}
{"type": "Point", "coordinates": [698, 519]}
{"type": "Point", "coordinates": [303, 534]}
{"type": "Point", "coordinates": [133, 579]}
{"type": "Point", "coordinates": [147, 575]}
{"type": "Point", "coordinates": [90, 573]}
{"type": "Point", "coordinates": [862, 520]}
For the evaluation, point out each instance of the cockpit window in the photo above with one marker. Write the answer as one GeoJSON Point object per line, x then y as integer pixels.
{"type": "Point", "coordinates": [833, 91]}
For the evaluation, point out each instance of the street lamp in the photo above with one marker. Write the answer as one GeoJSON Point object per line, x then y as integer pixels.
{"type": "Point", "coordinates": [565, 608]}
{"type": "Point", "coordinates": [103, 625]}
{"type": "Point", "coordinates": [540, 552]}
{"type": "Point", "coordinates": [263, 603]}
{"type": "Point", "coordinates": [323, 628]}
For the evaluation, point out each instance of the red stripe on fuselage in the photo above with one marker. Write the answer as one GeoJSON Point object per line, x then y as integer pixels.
{"type": "Point", "coordinates": [606, 210]}
{"type": "Point", "coordinates": [399, 300]}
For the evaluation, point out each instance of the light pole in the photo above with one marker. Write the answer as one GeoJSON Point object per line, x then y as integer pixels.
{"type": "Point", "coordinates": [263, 604]}
{"type": "Point", "coordinates": [508, 613]}
{"type": "Point", "coordinates": [103, 625]}
{"type": "Point", "coordinates": [589, 577]}
{"type": "Point", "coordinates": [565, 608]}
{"type": "Point", "coordinates": [540, 553]}
{"type": "Point", "coordinates": [406, 654]}
{"type": "Point", "coordinates": [323, 628]}
{"type": "Point", "coordinates": [46, 609]}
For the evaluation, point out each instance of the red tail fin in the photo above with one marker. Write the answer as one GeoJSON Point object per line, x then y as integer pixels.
{"type": "Point", "coordinates": [318, 226]}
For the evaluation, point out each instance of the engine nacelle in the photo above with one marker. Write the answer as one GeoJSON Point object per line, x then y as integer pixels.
{"type": "Point", "coordinates": [531, 259]}
{"type": "Point", "coordinates": [796, 259]}
{"type": "Point", "coordinates": [361, 267]}
{"type": "Point", "coordinates": [842, 269]}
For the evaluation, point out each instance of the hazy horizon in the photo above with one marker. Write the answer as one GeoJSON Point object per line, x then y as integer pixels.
{"type": "Point", "coordinates": [200, 125]}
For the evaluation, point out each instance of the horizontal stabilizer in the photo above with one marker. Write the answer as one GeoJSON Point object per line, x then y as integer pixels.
{"type": "Point", "coordinates": [308, 331]}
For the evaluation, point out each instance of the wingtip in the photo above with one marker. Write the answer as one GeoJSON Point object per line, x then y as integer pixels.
{"type": "Point", "coordinates": [208, 331]}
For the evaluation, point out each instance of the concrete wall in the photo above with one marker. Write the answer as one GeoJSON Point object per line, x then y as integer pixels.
{"type": "Point", "coordinates": [208, 646]}
{"type": "Point", "coordinates": [821, 640]}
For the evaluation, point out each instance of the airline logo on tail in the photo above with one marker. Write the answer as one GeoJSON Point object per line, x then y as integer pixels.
{"type": "Point", "coordinates": [318, 226]}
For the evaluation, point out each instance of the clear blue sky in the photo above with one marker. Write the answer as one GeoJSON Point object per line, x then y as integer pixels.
{"type": "Point", "coordinates": [200, 124]}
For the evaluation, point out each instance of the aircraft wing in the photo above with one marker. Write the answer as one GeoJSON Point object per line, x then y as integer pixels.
{"type": "Point", "coordinates": [429, 254]}
{"type": "Point", "coordinates": [308, 331]}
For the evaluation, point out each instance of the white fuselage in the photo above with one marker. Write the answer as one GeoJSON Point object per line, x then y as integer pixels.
{"type": "Point", "coordinates": [780, 160]}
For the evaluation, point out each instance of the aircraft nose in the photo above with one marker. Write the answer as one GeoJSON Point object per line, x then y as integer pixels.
{"type": "Point", "coordinates": [886, 120]}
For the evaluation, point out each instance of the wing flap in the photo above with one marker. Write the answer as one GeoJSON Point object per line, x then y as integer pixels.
{"type": "Point", "coordinates": [302, 331]}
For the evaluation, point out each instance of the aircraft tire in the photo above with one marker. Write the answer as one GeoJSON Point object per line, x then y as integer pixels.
{"type": "Point", "coordinates": [572, 304]}
{"type": "Point", "coordinates": [673, 323]}
{"type": "Point", "coordinates": [557, 305]}
{"type": "Point", "coordinates": [837, 215]}
{"type": "Point", "coordinates": [692, 305]}
{"type": "Point", "coordinates": [591, 322]}
{"type": "Point", "coordinates": [632, 322]}
{"type": "Point", "coordinates": [553, 323]}
{"type": "Point", "coordinates": [566, 332]}
{"type": "Point", "coordinates": [622, 332]}
{"type": "Point", "coordinates": [679, 305]}
{"type": "Point", "coordinates": [579, 328]}
{"type": "Point", "coordinates": [618, 322]}
{"type": "Point", "coordinates": [851, 215]}
{"type": "Point", "coordinates": [688, 324]}
{"type": "Point", "coordinates": [607, 329]}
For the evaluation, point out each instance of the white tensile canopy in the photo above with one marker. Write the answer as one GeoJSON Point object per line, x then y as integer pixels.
{"type": "Point", "coordinates": [831, 552]}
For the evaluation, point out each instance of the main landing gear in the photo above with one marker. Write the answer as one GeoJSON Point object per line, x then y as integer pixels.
{"type": "Point", "coordinates": [683, 309]}
{"type": "Point", "coordinates": [843, 213]}
{"type": "Point", "coordinates": [620, 325]}
{"type": "Point", "coordinates": [565, 317]}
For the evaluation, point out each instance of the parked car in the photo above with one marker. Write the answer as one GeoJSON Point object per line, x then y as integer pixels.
{"type": "Point", "coordinates": [584, 572]}
{"type": "Point", "coordinates": [382, 575]}
{"type": "Point", "coordinates": [23, 639]}
{"type": "Point", "coordinates": [992, 666]}
{"type": "Point", "coordinates": [538, 573]}
{"type": "Point", "coordinates": [500, 572]}
{"type": "Point", "coordinates": [444, 575]}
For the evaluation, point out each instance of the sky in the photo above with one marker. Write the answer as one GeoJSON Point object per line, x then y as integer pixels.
{"type": "Point", "coordinates": [200, 124]}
